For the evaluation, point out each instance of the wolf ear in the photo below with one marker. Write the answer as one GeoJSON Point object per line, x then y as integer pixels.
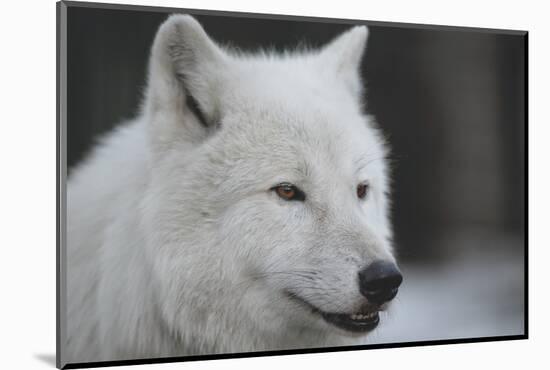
{"type": "Point", "coordinates": [343, 56]}
{"type": "Point", "coordinates": [182, 82]}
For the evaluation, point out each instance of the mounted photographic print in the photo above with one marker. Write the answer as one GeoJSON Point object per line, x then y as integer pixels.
{"type": "Point", "coordinates": [234, 184]}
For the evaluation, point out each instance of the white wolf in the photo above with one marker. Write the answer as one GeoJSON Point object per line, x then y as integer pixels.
{"type": "Point", "coordinates": [245, 209]}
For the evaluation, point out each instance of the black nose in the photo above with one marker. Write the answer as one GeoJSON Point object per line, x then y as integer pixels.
{"type": "Point", "coordinates": [379, 281]}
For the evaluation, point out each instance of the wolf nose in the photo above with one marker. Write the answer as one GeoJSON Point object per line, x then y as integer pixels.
{"type": "Point", "coordinates": [379, 281]}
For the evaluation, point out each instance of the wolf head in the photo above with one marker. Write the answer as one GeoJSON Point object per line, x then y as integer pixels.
{"type": "Point", "coordinates": [267, 209]}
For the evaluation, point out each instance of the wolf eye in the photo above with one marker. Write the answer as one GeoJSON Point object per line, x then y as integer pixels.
{"type": "Point", "coordinates": [289, 192]}
{"type": "Point", "coordinates": [362, 190]}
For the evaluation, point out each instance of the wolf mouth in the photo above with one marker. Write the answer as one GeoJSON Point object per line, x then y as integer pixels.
{"type": "Point", "coordinates": [359, 322]}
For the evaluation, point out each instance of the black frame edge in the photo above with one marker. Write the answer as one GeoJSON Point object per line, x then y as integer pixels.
{"type": "Point", "coordinates": [61, 97]}
{"type": "Point", "coordinates": [163, 9]}
{"type": "Point", "coordinates": [526, 187]}
{"type": "Point", "coordinates": [290, 352]}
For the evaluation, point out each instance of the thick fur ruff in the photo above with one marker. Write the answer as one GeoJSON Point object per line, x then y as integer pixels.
{"type": "Point", "coordinates": [177, 243]}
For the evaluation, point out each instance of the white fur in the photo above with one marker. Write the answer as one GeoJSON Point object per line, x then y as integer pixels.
{"type": "Point", "coordinates": [177, 245]}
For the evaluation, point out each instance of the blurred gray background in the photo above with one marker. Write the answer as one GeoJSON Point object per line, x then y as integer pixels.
{"type": "Point", "coordinates": [452, 105]}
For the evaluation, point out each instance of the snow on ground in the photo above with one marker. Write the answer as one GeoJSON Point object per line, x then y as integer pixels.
{"type": "Point", "coordinates": [477, 293]}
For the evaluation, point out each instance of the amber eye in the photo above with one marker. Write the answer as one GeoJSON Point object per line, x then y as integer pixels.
{"type": "Point", "coordinates": [289, 192]}
{"type": "Point", "coordinates": [362, 190]}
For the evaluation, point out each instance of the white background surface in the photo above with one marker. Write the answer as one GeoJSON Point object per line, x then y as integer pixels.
{"type": "Point", "coordinates": [27, 190]}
